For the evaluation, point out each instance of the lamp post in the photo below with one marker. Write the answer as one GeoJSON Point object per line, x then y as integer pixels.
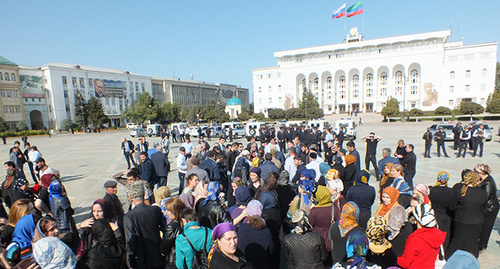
{"type": "Point", "coordinates": [218, 111]}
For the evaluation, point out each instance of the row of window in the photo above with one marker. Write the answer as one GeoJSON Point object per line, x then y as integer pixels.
{"type": "Point", "coordinates": [5, 76]}
{"type": "Point", "coordinates": [33, 99]}
{"type": "Point", "coordinates": [75, 81]}
{"type": "Point", "coordinates": [484, 73]}
{"type": "Point", "coordinates": [469, 57]}
{"type": "Point", "coordinates": [9, 93]}
{"type": "Point", "coordinates": [11, 109]}
{"type": "Point", "coordinates": [467, 87]}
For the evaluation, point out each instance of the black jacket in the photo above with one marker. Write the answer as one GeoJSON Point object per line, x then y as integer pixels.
{"type": "Point", "coordinates": [211, 214]}
{"type": "Point", "coordinates": [409, 163]}
{"type": "Point", "coordinates": [305, 251]}
{"type": "Point", "coordinates": [160, 163]}
{"type": "Point", "coordinates": [171, 232]}
{"type": "Point", "coordinates": [490, 187]}
{"type": "Point", "coordinates": [115, 208]}
{"type": "Point", "coordinates": [148, 172]}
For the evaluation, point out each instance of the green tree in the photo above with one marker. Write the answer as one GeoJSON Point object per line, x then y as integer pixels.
{"type": "Point", "coordinates": [315, 113]}
{"type": "Point", "coordinates": [295, 113]}
{"type": "Point", "coordinates": [185, 113]}
{"type": "Point", "coordinates": [493, 106]}
{"type": "Point", "coordinates": [95, 113]}
{"type": "Point", "coordinates": [81, 110]}
{"type": "Point", "coordinates": [442, 111]}
{"type": "Point", "coordinates": [21, 126]}
{"type": "Point", "coordinates": [276, 113]}
{"type": "Point", "coordinates": [259, 116]}
{"type": "Point", "coordinates": [497, 79]}
{"type": "Point", "coordinates": [171, 112]}
{"type": "Point", "coordinates": [3, 126]}
{"type": "Point", "coordinates": [391, 107]}
{"type": "Point", "coordinates": [195, 113]}
{"type": "Point", "coordinates": [67, 124]}
{"type": "Point", "coordinates": [145, 108]}
{"type": "Point", "coordinates": [415, 112]}
{"type": "Point", "coordinates": [243, 116]}
{"type": "Point", "coordinates": [470, 108]}
{"type": "Point", "coordinates": [251, 109]}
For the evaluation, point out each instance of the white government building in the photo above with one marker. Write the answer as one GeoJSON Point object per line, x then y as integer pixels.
{"type": "Point", "coordinates": [421, 71]}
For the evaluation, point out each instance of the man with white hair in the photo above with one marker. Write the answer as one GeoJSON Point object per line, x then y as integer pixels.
{"type": "Point", "coordinates": [387, 158]}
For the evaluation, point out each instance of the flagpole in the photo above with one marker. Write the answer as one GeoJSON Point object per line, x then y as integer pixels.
{"type": "Point", "coordinates": [345, 24]}
{"type": "Point", "coordinates": [363, 35]}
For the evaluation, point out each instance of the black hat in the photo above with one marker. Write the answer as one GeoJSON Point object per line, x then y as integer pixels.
{"type": "Point", "coordinates": [110, 184]}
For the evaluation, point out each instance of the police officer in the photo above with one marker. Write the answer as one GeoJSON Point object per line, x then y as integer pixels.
{"type": "Point", "coordinates": [465, 136]}
{"type": "Point", "coordinates": [428, 143]}
{"type": "Point", "coordinates": [440, 136]}
{"type": "Point", "coordinates": [456, 135]}
{"type": "Point", "coordinates": [477, 138]}
{"type": "Point", "coordinates": [282, 139]}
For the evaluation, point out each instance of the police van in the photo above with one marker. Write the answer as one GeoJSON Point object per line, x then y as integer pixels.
{"type": "Point", "coordinates": [349, 126]}
{"type": "Point", "coordinates": [238, 128]}
{"type": "Point", "coordinates": [320, 124]}
{"type": "Point", "coordinates": [252, 129]}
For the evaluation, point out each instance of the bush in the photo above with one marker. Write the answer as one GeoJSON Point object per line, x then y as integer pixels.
{"type": "Point", "coordinates": [276, 113]}
{"type": "Point", "coordinates": [67, 124]}
{"type": "Point", "coordinates": [390, 111]}
{"type": "Point", "coordinates": [27, 133]}
{"type": "Point", "coordinates": [442, 111]}
{"type": "Point", "coordinates": [243, 116]}
{"type": "Point", "coordinates": [416, 112]}
{"type": "Point", "coordinates": [295, 113]}
{"type": "Point", "coordinates": [259, 116]}
{"type": "Point", "coordinates": [470, 108]}
{"type": "Point", "coordinates": [493, 106]}
{"type": "Point", "coordinates": [315, 113]}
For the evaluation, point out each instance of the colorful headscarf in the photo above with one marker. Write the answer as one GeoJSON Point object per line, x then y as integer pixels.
{"type": "Point", "coordinates": [254, 208]}
{"type": "Point", "coordinates": [242, 195]}
{"type": "Point", "coordinates": [356, 247]}
{"type": "Point", "coordinates": [424, 214]}
{"type": "Point", "coordinates": [302, 225]}
{"type": "Point", "coordinates": [397, 218]}
{"type": "Point", "coordinates": [19, 183]}
{"type": "Point", "coordinates": [284, 178]}
{"type": "Point", "coordinates": [323, 197]}
{"type": "Point", "coordinates": [394, 195]}
{"type": "Point", "coordinates": [362, 178]}
{"type": "Point", "coordinates": [310, 174]}
{"type": "Point", "coordinates": [376, 232]}
{"type": "Point", "coordinates": [349, 159]}
{"type": "Point", "coordinates": [348, 218]}
{"type": "Point", "coordinates": [217, 233]}
{"type": "Point", "coordinates": [213, 190]}
{"type": "Point", "coordinates": [308, 187]}
{"type": "Point", "coordinates": [422, 189]}
{"type": "Point", "coordinates": [442, 178]}
{"type": "Point", "coordinates": [470, 178]}
{"type": "Point", "coordinates": [323, 169]}
{"type": "Point", "coordinates": [239, 181]}
{"type": "Point", "coordinates": [51, 253]}
{"type": "Point", "coordinates": [332, 174]}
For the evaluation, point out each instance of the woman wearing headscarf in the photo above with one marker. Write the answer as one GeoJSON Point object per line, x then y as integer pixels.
{"type": "Point", "coordinates": [304, 200]}
{"type": "Point", "coordinates": [236, 182]}
{"type": "Point", "coordinates": [469, 215]}
{"type": "Point", "coordinates": [356, 249]}
{"type": "Point", "coordinates": [320, 216]}
{"type": "Point", "coordinates": [401, 185]}
{"type": "Point", "coordinates": [286, 193]}
{"type": "Point", "coordinates": [421, 192]}
{"type": "Point", "coordinates": [63, 213]}
{"type": "Point", "coordinates": [444, 201]}
{"type": "Point", "coordinates": [399, 229]}
{"type": "Point", "coordinates": [323, 169]}
{"type": "Point", "coordinates": [210, 211]}
{"type": "Point", "coordinates": [18, 210]}
{"type": "Point", "coordinates": [335, 186]}
{"type": "Point", "coordinates": [255, 183]}
{"type": "Point", "coordinates": [423, 245]}
{"type": "Point", "coordinates": [303, 247]}
{"type": "Point", "coordinates": [390, 197]}
{"type": "Point", "coordinates": [381, 251]}
{"type": "Point", "coordinates": [225, 253]}
{"type": "Point", "coordinates": [243, 196]}
{"type": "Point", "coordinates": [491, 210]}
{"type": "Point", "coordinates": [387, 178]}
{"type": "Point", "coordinates": [200, 193]}
{"type": "Point", "coordinates": [52, 253]}
{"type": "Point", "coordinates": [21, 190]}
{"type": "Point", "coordinates": [254, 238]}
{"type": "Point", "coordinates": [350, 173]}
{"type": "Point", "coordinates": [272, 216]}
{"type": "Point", "coordinates": [363, 195]}
{"type": "Point", "coordinates": [23, 234]}
{"type": "Point", "coordinates": [347, 224]}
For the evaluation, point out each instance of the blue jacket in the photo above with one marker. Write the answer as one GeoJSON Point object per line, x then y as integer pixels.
{"type": "Point", "coordinates": [148, 172]}
{"type": "Point", "coordinates": [183, 252]}
{"type": "Point", "coordinates": [384, 161]}
{"type": "Point", "coordinates": [212, 169]}
{"type": "Point", "coordinates": [266, 168]}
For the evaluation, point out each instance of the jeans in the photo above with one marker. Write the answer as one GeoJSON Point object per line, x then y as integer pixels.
{"type": "Point", "coordinates": [181, 181]}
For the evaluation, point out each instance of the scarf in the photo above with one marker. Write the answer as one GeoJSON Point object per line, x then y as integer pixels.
{"type": "Point", "coordinates": [332, 174]}
{"type": "Point", "coordinates": [323, 197]}
{"type": "Point", "coordinates": [386, 176]}
{"type": "Point", "coordinates": [302, 225]}
{"type": "Point", "coordinates": [24, 230]}
{"type": "Point", "coordinates": [356, 248]}
{"type": "Point", "coordinates": [242, 195]}
{"type": "Point", "coordinates": [200, 192]}
{"type": "Point", "coordinates": [397, 218]}
{"type": "Point", "coordinates": [471, 179]}
{"type": "Point", "coordinates": [376, 231]}
{"type": "Point", "coordinates": [442, 178]}
{"type": "Point", "coordinates": [348, 218]}
{"type": "Point", "coordinates": [349, 159]}
{"type": "Point", "coordinates": [217, 233]}
{"type": "Point", "coordinates": [310, 174]}
{"type": "Point", "coordinates": [362, 178]}
{"type": "Point", "coordinates": [424, 214]}
{"type": "Point", "coordinates": [394, 195]}
{"type": "Point", "coordinates": [213, 190]}
{"type": "Point", "coordinates": [323, 169]}
{"type": "Point", "coordinates": [284, 178]}
{"type": "Point", "coordinates": [52, 253]}
{"type": "Point", "coordinates": [308, 187]}
{"type": "Point", "coordinates": [19, 183]}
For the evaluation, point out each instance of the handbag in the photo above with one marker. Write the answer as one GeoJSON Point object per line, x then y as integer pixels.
{"type": "Point", "coordinates": [440, 260]}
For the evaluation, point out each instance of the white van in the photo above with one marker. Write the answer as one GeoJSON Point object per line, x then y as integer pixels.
{"type": "Point", "coordinates": [295, 122]}
{"type": "Point", "coordinates": [238, 128]}
{"type": "Point", "coordinates": [179, 125]}
{"type": "Point", "coordinates": [253, 129]}
{"type": "Point", "coordinates": [154, 129]}
{"type": "Point", "coordinates": [320, 124]}
{"type": "Point", "coordinates": [349, 126]}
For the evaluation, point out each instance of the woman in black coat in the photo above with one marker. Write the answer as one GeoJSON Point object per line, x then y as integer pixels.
{"type": "Point", "coordinates": [171, 207]}
{"type": "Point", "coordinates": [491, 210]}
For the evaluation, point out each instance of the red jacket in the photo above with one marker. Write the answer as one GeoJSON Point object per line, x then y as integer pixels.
{"type": "Point", "coordinates": [422, 248]}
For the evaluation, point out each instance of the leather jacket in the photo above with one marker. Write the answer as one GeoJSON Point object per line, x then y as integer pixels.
{"type": "Point", "coordinates": [212, 213]}
{"type": "Point", "coordinates": [490, 186]}
{"type": "Point", "coordinates": [168, 243]}
{"type": "Point", "coordinates": [62, 212]}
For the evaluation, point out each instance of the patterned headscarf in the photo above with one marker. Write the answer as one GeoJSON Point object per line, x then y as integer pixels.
{"type": "Point", "coordinates": [397, 218]}
{"type": "Point", "coordinates": [376, 232]}
{"type": "Point", "coordinates": [332, 174]}
{"type": "Point", "coordinates": [470, 178]}
{"type": "Point", "coordinates": [442, 178]}
{"type": "Point", "coordinates": [362, 177]}
{"type": "Point", "coordinates": [239, 181]}
{"type": "Point", "coordinates": [424, 214]}
{"type": "Point", "coordinates": [348, 218]}
{"type": "Point", "coordinates": [51, 253]}
{"type": "Point", "coordinates": [284, 178]}
{"type": "Point", "coordinates": [422, 189]}
{"type": "Point", "coordinates": [308, 187]}
{"type": "Point", "coordinates": [310, 174]}
{"type": "Point", "coordinates": [356, 248]}
{"type": "Point", "coordinates": [213, 189]}
{"type": "Point", "coordinates": [19, 183]}
{"type": "Point", "coordinates": [302, 225]}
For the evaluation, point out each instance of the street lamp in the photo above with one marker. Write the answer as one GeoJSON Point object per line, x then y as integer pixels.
{"type": "Point", "coordinates": [218, 110]}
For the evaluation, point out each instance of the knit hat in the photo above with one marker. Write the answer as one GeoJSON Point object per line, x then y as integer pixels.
{"type": "Point", "coordinates": [331, 174]}
{"type": "Point", "coordinates": [309, 174]}
{"type": "Point", "coordinates": [424, 214]}
{"type": "Point", "coordinates": [256, 170]}
{"type": "Point", "coordinates": [135, 190]}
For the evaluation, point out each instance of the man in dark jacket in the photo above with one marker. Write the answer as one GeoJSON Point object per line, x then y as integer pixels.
{"type": "Point", "coordinates": [161, 164]}
{"type": "Point", "coordinates": [113, 203]}
{"type": "Point", "coordinates": [142, 227]}
{"type": "Point", "coordinates": [428, 143]}
{"type": "Point", "coordinates": [298, 161]}
{"type": "Point", "coordinates": [456, 135]}
{"type": "Point", "coordinates": [128, 150]}
{"type": "Point", "coordinates": [268, 166]}
{"type": "Point", "coordinates": [148, 172]}
{"type": "Point", "coordinates": [211, 166]}
{"type": "Point", "coordinates": [410, 164]}
{"type": "Point", "coordinates": [440, 136]}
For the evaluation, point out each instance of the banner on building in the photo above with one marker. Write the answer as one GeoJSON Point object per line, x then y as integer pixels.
{"type": "Point", "coordinates": [109, 88]}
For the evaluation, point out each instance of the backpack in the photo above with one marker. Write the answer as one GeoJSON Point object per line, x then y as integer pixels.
{"type": "Point", "coordinates": [200, 259]}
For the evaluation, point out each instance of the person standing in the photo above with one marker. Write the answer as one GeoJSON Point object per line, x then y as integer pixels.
{"type": "Point", "coordinates": [477, 140]}
{"type": "Point", "coordinates": [142, 227]}
{"type": "Point", "coordinates": [387, 158]}
{"type": "Point", "coordinates": [115, 208]}
{"type": "Point", "coordinates": [440, 137]}
{"type": "Point", "coordinates": [281, 139]}
{"type": "Point", "coordinates": [410, 165]}
{"type": "Point", "coordinates": [182, 167]}
{"type": "Point", "coordinates": [161, 165]}
{"type": "Point", "coordinates": [351, 147]}
{"type": "Point", "coordinates": [427, 137]}
{"type": "Point", "coordinates": [128, 151]}
{"type": "Point", "coordinates": [165, 143]}
{"type": "Point", "coordinates": [492, 205]}
{"type": "Point", "coordinates": [465, 137]}
{"type": "Point", "coordinates": [371, 151]}
{"type": "Point", "coordinates": [456, 135]}
{"type": "Point", "coordinates": [148, 172]}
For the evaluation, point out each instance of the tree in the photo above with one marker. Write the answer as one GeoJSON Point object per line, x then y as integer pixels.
{"type": "Point", "coordinates": [145, 108]}
{"type": "Point", "coordinates": [315, 113]}
{"type": "Point", "coordinates": [470, 108]}
{"type": "Point", "coordinates": [3, 126]}
{"type": "Point", "coordinates": [391, 108]}
{"type": "Point", "coordinates": [171, 112]}
{"type": "Point", "coordinates": [21, 126]}
{"type": "Point", "coordinates": [185, 113]}
{"type": "Point", "coordinates": [95, 112]}
{"type": "Point", "coordinates": [295, 113]}
{"type": "Point", "coordinates": [442, 111]}
{"type": "Point", "coordinates": [416, 112]}
{"type": "Point", "coordinates": [195, 113]}
{"type": "Point", "coordinates": [243, 116]}
{"type": "Point", "coordinates": [67, 124]}
{"type": "Point", "coordinates": [81, 113]}
{"type": "Point", "coordinates": [497, 79]}
{"type": "Point", "coordinates": [493, 106]}
{"type": "Point", "coordinates": [258, 116]}
{"type": "Point", "coordinates": [251, 109]}
{"type": "Point", "coordinates": [276, 113]}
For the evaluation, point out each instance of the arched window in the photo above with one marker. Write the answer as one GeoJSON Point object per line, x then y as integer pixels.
{"type": "Point", "coordinates": [452, 74]}
{"type": "Point", "coordinates": [279, 87]}
{"type": "Point", "coordinates": [398, 82]}
{"type": "Point", "coordinates": [414, 82]}
{"type": "Point", "coordinates": [303, 84]}
{"type": "Point", "coordinates": [270, 89]}
{"type": "Point", "coordinates": [484, 72]}
{"type": "Point", "coordinates": [7, 78]}
{"type": "Point", "coordinates": [329, 83]}
{"type": "Point", "coordinates": [342, 87]}
{"type": "Point", "coordinates": [467, 74]}
{"type": "Point", "coordinates": [369, 85]}
{"type": "Point", "coordinates": [316, 84]}
{"type": "Point", "coordinates": [260, 89]}
{"type": "Point", "coordinates": [383, 84]}
{"type": "Point", "coordinates": [355, 86]}
{"type": "Point", "coordinates": [13, 77]}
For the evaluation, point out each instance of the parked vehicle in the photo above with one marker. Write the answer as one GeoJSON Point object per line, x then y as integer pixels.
{"type": "Point", "coordinates": [215, 131]}
{"type": "Point", "coordinates": [154, 129]}
{"type": "Point", "coordinates": [132, 125]}
{"type": "Point", "coordinates": [321, 124]}
{"type": "Point", "coordinates": [447, 128]}
{"type": "Point", "coordinates": [179, 125]}
{"type": "Point", "coordinates": [349, 126]}
{"type": "Point", "coordinates": [138, 132]}
{"type": "Point", "coordinates": [252, 130]}
{"type": "Point", "coordinates": [238, 128]}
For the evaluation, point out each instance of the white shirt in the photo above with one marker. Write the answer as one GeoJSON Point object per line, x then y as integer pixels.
{"type": "Point", "coordinates": [315, 166]}
{"type": "Point", "coordinates": [33, 156]}
{"type": "Point", "coordinates": [181, 163]}
{"type": "Point", "coordinates": [188, 146]}
{"type": "Point", "coordinates": [290, 167]}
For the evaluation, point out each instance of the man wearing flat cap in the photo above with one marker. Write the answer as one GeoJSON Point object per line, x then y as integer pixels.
{"type": "Point", "coordinates": [113, 203]}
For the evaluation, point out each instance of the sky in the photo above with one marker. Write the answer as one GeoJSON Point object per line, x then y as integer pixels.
{"type": "Point", "coordinates": [216, 40]}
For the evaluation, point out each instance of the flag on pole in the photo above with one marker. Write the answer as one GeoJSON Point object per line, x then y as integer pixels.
{"type": "Point", "coordinates": [339, 13]}
{"type": "Point", "coordinates": [355, 9]}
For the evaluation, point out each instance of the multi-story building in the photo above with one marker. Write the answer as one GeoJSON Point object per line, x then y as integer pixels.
{"type": "Point", "coordinates": [10, 94]}
{"type": "Point", "coordinates": [421, 71]}
{"type": "Point", "coordinates": [34, 97]}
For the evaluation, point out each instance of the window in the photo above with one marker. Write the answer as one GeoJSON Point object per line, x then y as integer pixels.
{"type": "Point", "coordinates": [484, 72]}
{"type": "Point", "coordinates": [13, 77]}
{"type": "Point", "coordinates": [329, 96]}
{"type": "Point", "coordinates": [316, 84]}
{"type": "Point", "coordinates": [383, 84]}
{"type": "Point", "coordinates": [369, 92]}
{"type": "Point", "coordinates": [369, 80]}
{"type": "Point", "coordinates": [280, 99]}
{"type": "Point", "coordinates": [67, 108]}
{"type": "Point", "coordinates": [82, 83]}
{"type": "Point", "coordinates": [355, 86]}
{"type": "Point", "coordinates": [5, 110]}
{"type": "Point", "coordinates": [3, 94]}
{"type": "Point", "coordinates": [453, 58]}
{"type": "Point", "coordinates": [1, 76]}
{"type": "Point", "coordinates": [342, 87]}
{"type": "Point", "coordinates": [137, 86]}
{"type": "Point", "coordinates": [91, 83]}
{"type": "Point", "coordinates": [413, 104]}
{"type": "Point", "coordinates": [65, 80]}
{"type": "Point", "coordinates": [452, 74]}
{"type": "Point", "coordinates": [279, 87]}
{"type": "Point", "coordinates": [270, 100]}
{"type": "Point", "coordinates": [398, 81]}
{"type": "Point", "coordinates": [329, 83]}
{"type": "Point", "coordinates": [469, 57]}
{"type": "Point", "coordinates": [452, 88]}
{"type": "Point", "coordinates": [269, 89]}
{"type": "Point", "coordinates": [483, 87]}
{"type": "Point", "coordinates": [7, 78]}
{"type": "Point", "coordinates": [66, 94]}
{"type": "Point", "coordinates": [467, 88]}
{"type": "Point", "coordinates": [9, 93]}
{"type": "Point", "coordinates": [414, 82]}
{"type": "Point", "coordinates": [73, 79]}
{"type": "Point", "coordinates": [260, 89]}
{"type": "Point", "coordinates": [467, 74]}
{"type": "Point", "coordinates": [143, 86]}
{"type": "Point", "coordinates": [485, 55]}
{"type": "Point", "coordinates": [50, 108]}
{"type": "Point", "coordinates": [14, 93]}
{"type": "Point", "coordinates": [18, 109]}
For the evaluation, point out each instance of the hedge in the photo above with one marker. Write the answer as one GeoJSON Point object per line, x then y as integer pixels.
{"type": "Point", "coordinates": [27, 133]}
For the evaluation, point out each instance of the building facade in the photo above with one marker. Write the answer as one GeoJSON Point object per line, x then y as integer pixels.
{"type": "Point", "coordinates": [10, 94]}
{"type": "Point", "coordinates": [34, 97]}
{"type": "Point", "coordinates": [191, 92]}
{"type": "Point", "coordinates": [421, 71]}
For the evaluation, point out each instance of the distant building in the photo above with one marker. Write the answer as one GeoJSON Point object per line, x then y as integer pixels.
{"type": "Point", "coordinates": [234, 107]}
{"type": "Point", "coordinates": [421, 71]}
{"type": "Point", "coordinates": [10, 94]}
{"type": "Point", "coordinates": [34, 97]}
{"type": "Point", "coordinates": [191, 92]}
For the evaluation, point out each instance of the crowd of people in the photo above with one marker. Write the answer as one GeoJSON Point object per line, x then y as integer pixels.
{"type": "Point", "coordinates": [298, 192]}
